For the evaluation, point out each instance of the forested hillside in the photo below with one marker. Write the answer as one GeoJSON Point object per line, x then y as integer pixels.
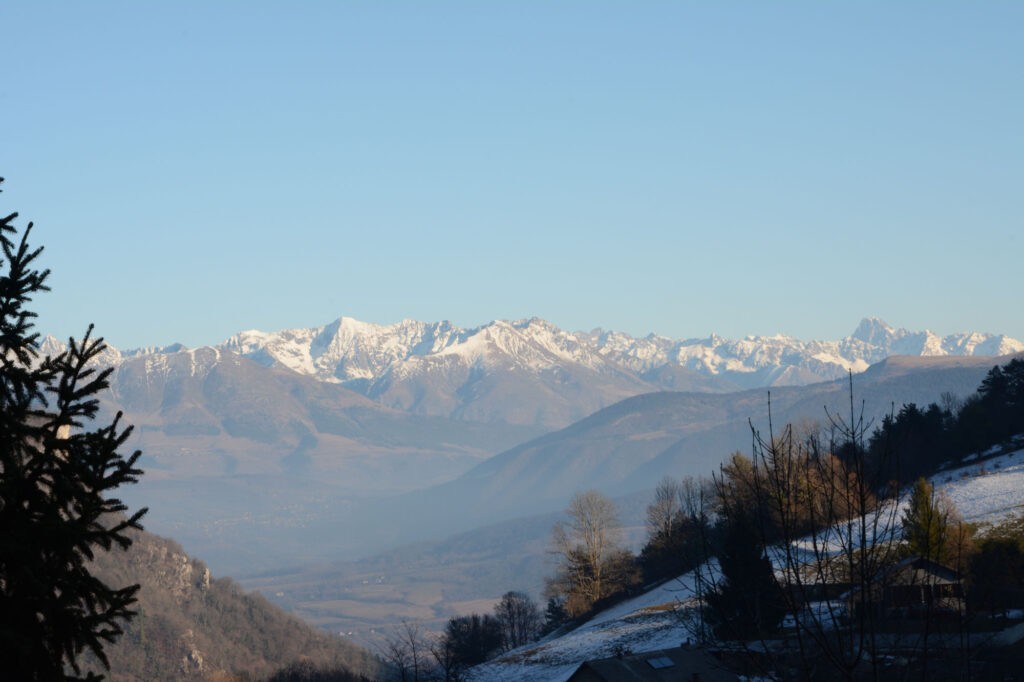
{"type": "Point", "coordinates": [930, 438]}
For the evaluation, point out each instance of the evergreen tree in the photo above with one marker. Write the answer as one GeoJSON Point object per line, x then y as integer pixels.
{"type": "Point", "coordinates": [674, 533]}
{"type": "Point", "coordinates": [1002, 395]}
{"type": "Point", "coordinates": [55, 475]}
{"type": "Point", "coordinates": [927, 523]}
{"type": "Point", "coordinates": [997, 572]}
{"type": "Point", "coordinates": [554, 615]}
{"type": "Point", "coordinates": [748, 601]}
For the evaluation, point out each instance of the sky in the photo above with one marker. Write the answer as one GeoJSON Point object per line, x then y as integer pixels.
{"type": "Point", "coordinates": [195, 169]}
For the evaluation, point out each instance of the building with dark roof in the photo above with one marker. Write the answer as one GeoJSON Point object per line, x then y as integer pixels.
{"type": "Point", "coordinates": [682, 664]}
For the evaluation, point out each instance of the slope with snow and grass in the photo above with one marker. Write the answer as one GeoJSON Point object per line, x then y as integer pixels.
{"type": "Point", "coordinates": [986, 489]}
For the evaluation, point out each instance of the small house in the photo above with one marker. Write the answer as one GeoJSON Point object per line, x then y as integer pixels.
{"type": "Point", "coordinates": [915, 587]}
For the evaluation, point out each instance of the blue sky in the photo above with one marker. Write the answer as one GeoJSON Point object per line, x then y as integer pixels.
{"type": "Point", "coordinates": [195, 169]}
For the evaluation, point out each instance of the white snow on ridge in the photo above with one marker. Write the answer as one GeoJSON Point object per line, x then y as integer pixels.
{"type": "Point", "coordinates": [349, 350]}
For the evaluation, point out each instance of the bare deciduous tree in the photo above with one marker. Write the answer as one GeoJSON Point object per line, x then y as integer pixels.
{"type": "Point", "coordinates": [406, 650]}
{"type": "Point", "coordinates": [591, 556]}
{"type": "Point", "coordinates": [519, 618]}
{"type": "Point", "coordinates": [663, 513]}
{"type": "Point", "coordinates": [828, 516]}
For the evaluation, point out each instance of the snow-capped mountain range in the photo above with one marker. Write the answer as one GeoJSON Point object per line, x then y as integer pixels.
{"type": "Point", "coordinates": [532, 372]}
{"type": "Point", "coordinates": [327, 415]}
{"type": "Point", "coordinates": [349, 351]}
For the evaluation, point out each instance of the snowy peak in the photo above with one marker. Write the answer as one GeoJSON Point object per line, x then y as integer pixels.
{"type": "Point", "coordinates": [351, 351]}
{"type": "Point", "coordinates": [51, 346]}
{"type": "Point", "coordinates": [530, 372]}
{"type": "Point", "coordinates": [881, 340]}
{"type": "Point", "coordinates": [873, 331]}
{"type": "Point", "coordinates": [348, 350]}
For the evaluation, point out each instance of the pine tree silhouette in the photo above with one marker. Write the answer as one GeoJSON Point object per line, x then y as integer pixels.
{"type": "Point", "coordinates": [56, 471]}
{"type": "Point", "coordinates": [748, 601]}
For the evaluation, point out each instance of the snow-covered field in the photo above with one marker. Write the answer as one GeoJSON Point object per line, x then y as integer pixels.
{"type": "Point", "coordinates": [988, 490]}
{"type": "Point", "coordinates": [985, 491]}
{"type": "Point", "coordinates": [648, 622]}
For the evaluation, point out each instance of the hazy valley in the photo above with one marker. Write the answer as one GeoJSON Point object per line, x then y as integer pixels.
{"type": "Point", "coordinates": [363, 480]}
{"type": "Point", "coordinates": [432, 341]}
{"type": "Point", "coordinates": [253, 460]}
{"type": "Point", "coordinates": [356, 509]}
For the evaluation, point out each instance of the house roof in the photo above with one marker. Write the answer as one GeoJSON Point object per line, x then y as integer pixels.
{"type": "Point", "coordinates": [914, 570]}
{"type": "Point", "coordinates": [680, 663]}
{"type": "Point", "coordinates": [919, 564]}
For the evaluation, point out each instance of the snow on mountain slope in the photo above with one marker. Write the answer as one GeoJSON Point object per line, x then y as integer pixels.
{"type": "Point", "coordinates": [526, 372]}
{"type": "Point", "coordinates": [348, 350]}
{"type": "Point", "coordinates": [531, 373]}
{"type": "Point", "coordinates": [111, 356]}
{"type": "Point", "coordinates": [648, 622]}
{"type": "Point", "coordinates": [985, 491]}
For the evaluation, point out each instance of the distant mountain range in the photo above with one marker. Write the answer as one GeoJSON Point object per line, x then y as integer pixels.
{"type": "Point", "coordinates": [631, 445]}
{"type": "Point", "coordinates": [531, 373]}
{"type": "Point", "coordinates": [625, 448]}
{"type": "Point", "coordinates": [258, 449]}
{"type": "Point", "coordinates": [380, 357]}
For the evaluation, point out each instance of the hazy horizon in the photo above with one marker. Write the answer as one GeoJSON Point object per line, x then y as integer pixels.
{"type": "Point", "coordinates": [195, 170]}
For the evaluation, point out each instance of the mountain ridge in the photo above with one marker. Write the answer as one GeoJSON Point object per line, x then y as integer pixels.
{"type": "Point", "coordinates": [631, 445]}
{"type": "Point", "coordinates": [490, 372]}
{"type": "Point", "coordinates": [223, 430]}
{"type": "Point", "coordinates": [336, 346]}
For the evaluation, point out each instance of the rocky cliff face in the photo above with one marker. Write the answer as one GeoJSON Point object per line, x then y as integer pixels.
{"type": "Point", "coordinates": [191, 626]}
{"type": "Point", "coordinates": [166, 565]}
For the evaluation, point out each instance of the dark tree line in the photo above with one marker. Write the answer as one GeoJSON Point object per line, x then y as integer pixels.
{"type": "Point", "coordinates": [927, 438]}
{"type": "Point", "coordinates": [677, 528]}
{"type": "Point", "coordinates": [997, 568]}
{"type": "Point", "coordinates": [467, 641]}
{"type": "Point", "coordinates": [308, 672]}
